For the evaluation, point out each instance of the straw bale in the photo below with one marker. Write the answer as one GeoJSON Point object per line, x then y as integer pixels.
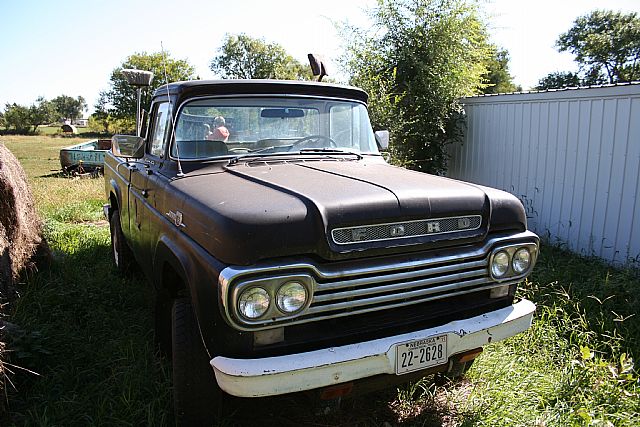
{"type": "Point", "coordinates": [20, 227]}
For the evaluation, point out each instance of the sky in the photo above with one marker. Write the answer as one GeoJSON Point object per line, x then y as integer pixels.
{"type": "Point", "coordinates": [70, 47]}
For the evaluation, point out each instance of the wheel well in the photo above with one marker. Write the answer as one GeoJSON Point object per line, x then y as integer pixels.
{"type": "Point", "coordinates": [172, 282]}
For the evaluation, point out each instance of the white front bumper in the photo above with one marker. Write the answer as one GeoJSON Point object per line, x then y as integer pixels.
{"type": "Point", "coordinates": [314, 369]}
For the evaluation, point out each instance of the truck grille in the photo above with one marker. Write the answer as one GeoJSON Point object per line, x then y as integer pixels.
{"type": "Point", "coordinates": [363, 286]}
{"type": "Point", "coordinates": [404, 230]}
{"type": "Point", "coordinates": [391, 289]}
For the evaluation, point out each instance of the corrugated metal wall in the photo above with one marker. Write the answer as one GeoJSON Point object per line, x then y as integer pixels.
{"type": "Point", "coordinates": [573, 159]}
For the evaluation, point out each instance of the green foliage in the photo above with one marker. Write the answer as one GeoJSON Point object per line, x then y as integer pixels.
{"type": "Point", "coordinates": [40, 113]}
{"type": "Point", "coordinates": [120, 101]}
{"type": "Point", "coordinates": [498, 79]}
{"type": "Point", "coordinates": [108, 124]}
{"type": "Point", "coordinates": [562, 79]}
{"type": "Point", "coordinates": [605, 42]}
{"type": "Point", "coordinates": [24, 119]}
{"type": "Point", "coordinates": [17, 117]}
{"type": "Point", "coordinates": [559, 80]}
{"type": "Point", "coordinates": [67, 107]}
{"type": "Point", "coordinates": [245, 57]}
{"type": "Point", "coordinates": [419, 58]}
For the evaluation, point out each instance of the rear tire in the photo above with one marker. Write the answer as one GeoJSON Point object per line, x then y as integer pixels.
{"type": "Point", "coordinates": [197, 399]}
{"type": "Point", "coordinates": [120, 252]}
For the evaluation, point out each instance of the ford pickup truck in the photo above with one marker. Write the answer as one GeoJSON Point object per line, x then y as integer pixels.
{"type": "Point", "coordinates": [287, 255]}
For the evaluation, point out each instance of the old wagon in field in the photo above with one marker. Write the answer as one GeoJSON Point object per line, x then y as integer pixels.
{"type": "Point", "coordinates": [84, 157]}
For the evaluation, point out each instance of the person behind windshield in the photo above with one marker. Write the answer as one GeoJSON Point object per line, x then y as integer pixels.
{"type": "Point", "coordinates": [219, 132]}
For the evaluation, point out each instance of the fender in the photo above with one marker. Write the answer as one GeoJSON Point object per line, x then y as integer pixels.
{"type": "Point", "coordinates": [115, 189]}
{"type": "Point", "coordinates": [168, 252]}
{"type": "Point", "coordinates": [199, 272]}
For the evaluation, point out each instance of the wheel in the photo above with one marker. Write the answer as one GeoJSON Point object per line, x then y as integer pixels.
{"type": "Point", "coordinates": [300, 143]}
{"type": "Point", "coordinates": [197, 399]}
{"type": "Point", "coordinates": [120, 251]}
{"type": "Point", "coordinates": [162, 321]}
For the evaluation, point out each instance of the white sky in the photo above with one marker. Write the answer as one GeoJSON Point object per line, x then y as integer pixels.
{"type": "Point", "coordinates": [70, 47]}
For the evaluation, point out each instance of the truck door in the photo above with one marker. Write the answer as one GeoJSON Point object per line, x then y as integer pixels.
{"type": "Point", "coordinates": [142, 200]}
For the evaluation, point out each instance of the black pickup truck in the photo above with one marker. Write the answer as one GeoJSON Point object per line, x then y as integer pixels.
{"type": "Point", "coordinates": [286, 254]}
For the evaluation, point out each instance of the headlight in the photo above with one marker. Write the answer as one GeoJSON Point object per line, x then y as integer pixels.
{"type": "Point", "coordinates": [521, 260]}
{"type": "Point", "coordinates": [500, 264]}
{"type": "Point", "coordinates": [253, 303]}
{"type": "Point", "coordinates": [291, 297]}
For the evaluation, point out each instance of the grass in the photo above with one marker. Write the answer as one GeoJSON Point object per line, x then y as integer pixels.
{"type": "Point", "coordinates": [87, 332]}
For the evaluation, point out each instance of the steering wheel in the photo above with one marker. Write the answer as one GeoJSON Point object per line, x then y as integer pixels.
{"type": "Point", "coordinates": [305, 141]}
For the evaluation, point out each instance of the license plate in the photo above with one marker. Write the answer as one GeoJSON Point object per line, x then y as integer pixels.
{"type": "Point", "coordinates": [420, 354]}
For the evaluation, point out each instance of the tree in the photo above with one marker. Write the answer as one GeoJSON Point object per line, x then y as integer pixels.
{"type": "Point", "coordinates": [498, 79]}
{"type": "Point", "coordinates": [416, 61]}
{"type": "Point", "coordinates": [67, 107]}
{"type": "Point", "coordinates": [605, 42]}
{"type": "Point", "coordinates": [22, 119]}
{"type": "Point", "coordinates": [41, 113]}
{"type": "Point", "coordinates": [17, 117]}
{"type": "Point", "coordinates": [559, 80]}
{"type": "Point", "coordinates": [120, 100]}
{"type": "Point", "coordinates": [245, 57]}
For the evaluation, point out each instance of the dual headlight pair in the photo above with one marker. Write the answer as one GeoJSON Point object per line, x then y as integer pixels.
{"type": "Point", "coordinates": [253, 302]}
{"type": "Point", "coordinates": [512, 261]}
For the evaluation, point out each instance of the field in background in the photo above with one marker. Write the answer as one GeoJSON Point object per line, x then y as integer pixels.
{"type": "Point", "coordinates": [87, 333]}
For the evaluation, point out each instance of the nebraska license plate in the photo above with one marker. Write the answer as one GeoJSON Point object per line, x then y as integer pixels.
{"type": "Point", "coordinates": [420, 354]}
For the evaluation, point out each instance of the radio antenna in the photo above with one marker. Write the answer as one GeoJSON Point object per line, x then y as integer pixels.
{"type": "Point", "coordinates": [173, 129]}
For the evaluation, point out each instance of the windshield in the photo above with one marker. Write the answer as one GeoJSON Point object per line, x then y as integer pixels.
{"type": "Point", "coordinates": [211, 128]}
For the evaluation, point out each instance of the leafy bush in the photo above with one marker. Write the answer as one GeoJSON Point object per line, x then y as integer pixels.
{"type": "Point", "coordinates": [418, 59]}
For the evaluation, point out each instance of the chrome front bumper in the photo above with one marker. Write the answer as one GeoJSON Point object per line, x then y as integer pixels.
{"type": "Point", "coordinates": [314, 369]}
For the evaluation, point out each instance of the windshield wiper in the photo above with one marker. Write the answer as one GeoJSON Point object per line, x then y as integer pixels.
{"type": "Point", "coordinates": [236, 159]}
{"type": "Point", "coordinates": [255, 155]}
{"type": "Point", "coordinates": [331, 151]}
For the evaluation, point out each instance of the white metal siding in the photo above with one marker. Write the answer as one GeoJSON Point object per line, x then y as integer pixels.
{"type": "Point", "coordinates": [573, 159]}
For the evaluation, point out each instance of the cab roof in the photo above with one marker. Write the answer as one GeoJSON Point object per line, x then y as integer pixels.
{"type": "Point", "coordinates": [260, 87]}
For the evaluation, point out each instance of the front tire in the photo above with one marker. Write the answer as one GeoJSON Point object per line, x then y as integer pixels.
{"type": "Point", "coordinates": [196, 395]}
{"type": "Point", "coordinates": [120, 252]}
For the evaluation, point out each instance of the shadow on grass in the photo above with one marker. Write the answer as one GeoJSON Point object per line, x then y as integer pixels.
{"type": "Point", "coordinates": [88, 334]}
{"type": "Point", "coordinates": [90, 174]}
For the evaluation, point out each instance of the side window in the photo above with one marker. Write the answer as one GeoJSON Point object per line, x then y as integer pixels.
{"type": "Point", "coordinates": [159, 130]}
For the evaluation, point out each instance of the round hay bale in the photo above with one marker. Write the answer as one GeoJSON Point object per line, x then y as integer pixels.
{"type": "Point", "coordinates": [21, 237]}
{"type": "Point", "coordinates": [70, 129]}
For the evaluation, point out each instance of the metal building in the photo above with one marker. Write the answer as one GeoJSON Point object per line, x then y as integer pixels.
{"type": "Point", "coordinates": [572, 157]}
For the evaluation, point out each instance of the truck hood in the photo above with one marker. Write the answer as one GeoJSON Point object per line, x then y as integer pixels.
{"type": "Point", "coordinates": [248, 212]}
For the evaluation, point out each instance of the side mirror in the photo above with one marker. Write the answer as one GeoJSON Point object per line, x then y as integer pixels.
{"type": "Point", "coordinates": [382, 138]}
{"type": "Point", "coordinates": [127, 146]}
{"type": "Point", "coordinates": [317, 66]}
